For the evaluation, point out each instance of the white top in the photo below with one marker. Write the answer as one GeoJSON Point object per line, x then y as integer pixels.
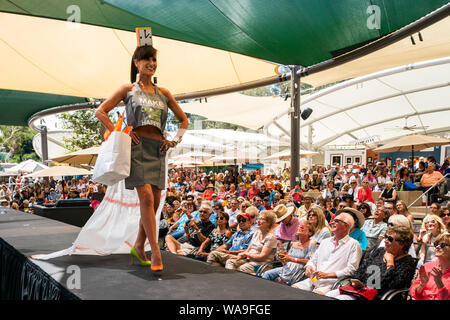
{"type": "Point", "coordinates": [321, 235]}
{"type": "Point", "coordinates": [233, 215]}
{"type": "Point", "coordinates": [343, 259]}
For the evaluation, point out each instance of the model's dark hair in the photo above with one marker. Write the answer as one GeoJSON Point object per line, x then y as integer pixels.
{"type": "Point", "coordinates": [141, 53]}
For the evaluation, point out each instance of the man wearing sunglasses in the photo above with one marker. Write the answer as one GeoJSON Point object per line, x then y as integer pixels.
{"type": "Point", "coordinates": [195, 233]}
{"type": "Point", "coordinates": [336, 257]}
{"type": "Point", "coordinates": [238, 243]}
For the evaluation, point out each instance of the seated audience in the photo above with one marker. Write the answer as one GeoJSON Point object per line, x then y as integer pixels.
{"type": "Point", "coordinates": [399, 220]}
{"type": "Point", "coordinates": [287, 222]}
{"type": "Point", "coordinates": [336, 257]}
{"type": "Point", "coordinates": [445, 216]}
{"type": "Point", "coordinates": [356, 232]}
{"type": "Point", "coordinates": [432, 228]}
{"type": "Point", "coordinates": [364, 193]}
{"type": "Point", "coordinates": [176, 231]}
{"type": "Point", "coordinates": [365, 209]}
{"type": "Point", "coordinates": [216, 238]}
{"type": "Point", "coordinates": [389, 194]}
{"type": "Point", "coordinates": [238, 243]}
{"type": "Point", "coordinates": [330, 192]}
{"type": "Point", "coordinates": [195, 233]}
{"type": "Point", "coordinates": [302, 212]}
{"type": "Point", "coordinates": [433, 280]}
{"type": "Point", "coordinates": [394, 265]}
{"type": "Point", "coordinates": [261, 248]}
{"type": "Point", "coordinates": [294, 261]}
{"type": "Point", "coordinates": [402, 208]}
{"type": "Point", "coordinates": [375, 227]}
{"type": "Point", "coordinates": [317, 219]}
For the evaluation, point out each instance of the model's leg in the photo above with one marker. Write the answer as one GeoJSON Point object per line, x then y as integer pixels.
{"type": "Point", "coordinates": [141, 237]}
{"type": "Point", "coordinates": [148, 220]}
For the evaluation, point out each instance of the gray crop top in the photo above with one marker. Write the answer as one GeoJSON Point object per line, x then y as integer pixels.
{"type": "Point", "coordinates": [145, 108]}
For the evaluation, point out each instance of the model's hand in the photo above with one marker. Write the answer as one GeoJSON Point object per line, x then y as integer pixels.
{"type": "Point", "coordinates": [134, 137]}
{"type": "Point", "coordinates": [167, 144]}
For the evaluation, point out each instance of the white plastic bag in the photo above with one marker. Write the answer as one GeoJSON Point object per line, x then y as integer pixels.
{"type": "Point", "coordinates": [113, 161]}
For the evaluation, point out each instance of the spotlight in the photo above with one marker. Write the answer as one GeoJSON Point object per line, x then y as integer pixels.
{"type": "Point", "coordinates": [306, 113]}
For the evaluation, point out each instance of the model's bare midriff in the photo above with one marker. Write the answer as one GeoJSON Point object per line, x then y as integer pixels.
{"type": "Point", "coordinates": [149, 131]}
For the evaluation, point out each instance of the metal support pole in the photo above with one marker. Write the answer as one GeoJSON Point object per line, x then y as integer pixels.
{"type": "Point", "coordinates": [310, 133]}
{"type": "Point", "coordinates": [295, 126]}
{"type": "Point", "coordinates": [44, 144]}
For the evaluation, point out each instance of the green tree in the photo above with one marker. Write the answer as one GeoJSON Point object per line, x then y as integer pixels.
{"type": "Point", "coordinates": [85, 126]}
{"type": "Point", "coordinates": [17, 143]}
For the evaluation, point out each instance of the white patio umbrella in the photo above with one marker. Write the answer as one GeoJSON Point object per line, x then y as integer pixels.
{"type": "Point", "coordinates": [286, 154]}
{"type": "Point", "coordinates": [59, 171]}
{"type": "Point", "coordinates": [27, 166]}
{"type": "Point", "coordinates": [86, 156]}
{"type": "Point", "coordinates": [193, 156]}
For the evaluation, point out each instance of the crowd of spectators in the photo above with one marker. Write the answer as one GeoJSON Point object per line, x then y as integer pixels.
{"type": "Point", "coordinates": [327, 227]}
{"type": "Point", "coordinates": [22, 193]}
{"type": "Point", "coordinates": [333, 226]}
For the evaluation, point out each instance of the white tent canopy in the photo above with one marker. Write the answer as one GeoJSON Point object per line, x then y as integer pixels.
{"type": "Point", "coordinates": [377, 105]}
{"type": "Point", "coordinates": [383, 105]}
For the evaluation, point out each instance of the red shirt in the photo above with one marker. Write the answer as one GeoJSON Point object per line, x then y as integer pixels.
{"type": "Point", "coordinates": [431, 291]}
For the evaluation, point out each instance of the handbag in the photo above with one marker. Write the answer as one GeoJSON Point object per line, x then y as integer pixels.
{"type": "Point", "coordinates": [114, 159]}
{"type": "Point", "coordinates": [365, 292]}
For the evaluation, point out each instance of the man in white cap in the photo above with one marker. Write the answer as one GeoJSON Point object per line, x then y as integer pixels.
{"type": "Point", "coordinates": [337, 257]}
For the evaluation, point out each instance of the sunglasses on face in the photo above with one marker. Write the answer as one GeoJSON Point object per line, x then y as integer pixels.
{"type": "Point", "coordinates": [390, 224]}
{"type": "Point", "coordinates": [242, 220]}
{"type": "Point", "coordinates": [338, 220]}
{"type": "Point", "coordinates": [445, 215]}
{"type": "Point", "coordinates": [430, 222]}
{"type": "Point", "coordinates": [221, 218]}
{"type": "Point", "coordinates": [441, 245]}
{"type": "Point", "coordinates": [312, 215]}
{"type": "Point", "coordinates": [203, 211]}
{"type": "Point", "coordinates": [390, 238]}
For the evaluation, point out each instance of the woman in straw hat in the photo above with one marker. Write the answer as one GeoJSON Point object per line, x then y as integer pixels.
{"type": "Point", "coordinates": [287, 222]}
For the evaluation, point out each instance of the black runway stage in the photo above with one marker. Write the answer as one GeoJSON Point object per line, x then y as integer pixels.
{"type": "Point", "coordinates": [113, 277]}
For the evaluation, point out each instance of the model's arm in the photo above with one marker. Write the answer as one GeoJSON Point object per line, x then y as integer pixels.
{"type": "Point", "coordinates": [102, 111]}
{"type": "Point", "coordinates": [179, 114]}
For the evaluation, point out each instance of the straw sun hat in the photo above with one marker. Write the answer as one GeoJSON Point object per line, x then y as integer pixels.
{"type": "Point", "coordinates": [283, 212]}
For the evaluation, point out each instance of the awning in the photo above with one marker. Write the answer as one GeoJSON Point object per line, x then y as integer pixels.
{"type": "Point", "coordinates": [202, 44]}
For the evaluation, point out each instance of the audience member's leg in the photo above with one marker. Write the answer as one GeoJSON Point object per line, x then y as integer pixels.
{"type": "Point", "coordinates": [172, 244]}
{"type": "Point", "coordinates": [248, 267]}
{"type": "Point", "coordinates": [272, 275]}
{"type": "Point", "coordinates": [218, 258]}
{"type": "Point", "coordinates": [234, 264]}
{"type": "Point", "coordinates": [306, 285]}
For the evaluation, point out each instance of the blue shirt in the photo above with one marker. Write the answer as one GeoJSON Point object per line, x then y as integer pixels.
{"type": "Point", "coordinates": [360, 236]}
{"type": "Point", "coordinates": [240, 240]}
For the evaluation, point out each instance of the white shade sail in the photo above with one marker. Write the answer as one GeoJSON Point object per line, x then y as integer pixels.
{"type": "Point", "coordinates": [100, 60]}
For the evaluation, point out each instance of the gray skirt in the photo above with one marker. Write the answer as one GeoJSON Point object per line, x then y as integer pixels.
{"type": "Point", "coordinates": [148, 164]}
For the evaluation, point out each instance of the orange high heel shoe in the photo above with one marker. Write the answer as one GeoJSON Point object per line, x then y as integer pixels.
{"type": "Point", "coordinates": [159, 268]}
